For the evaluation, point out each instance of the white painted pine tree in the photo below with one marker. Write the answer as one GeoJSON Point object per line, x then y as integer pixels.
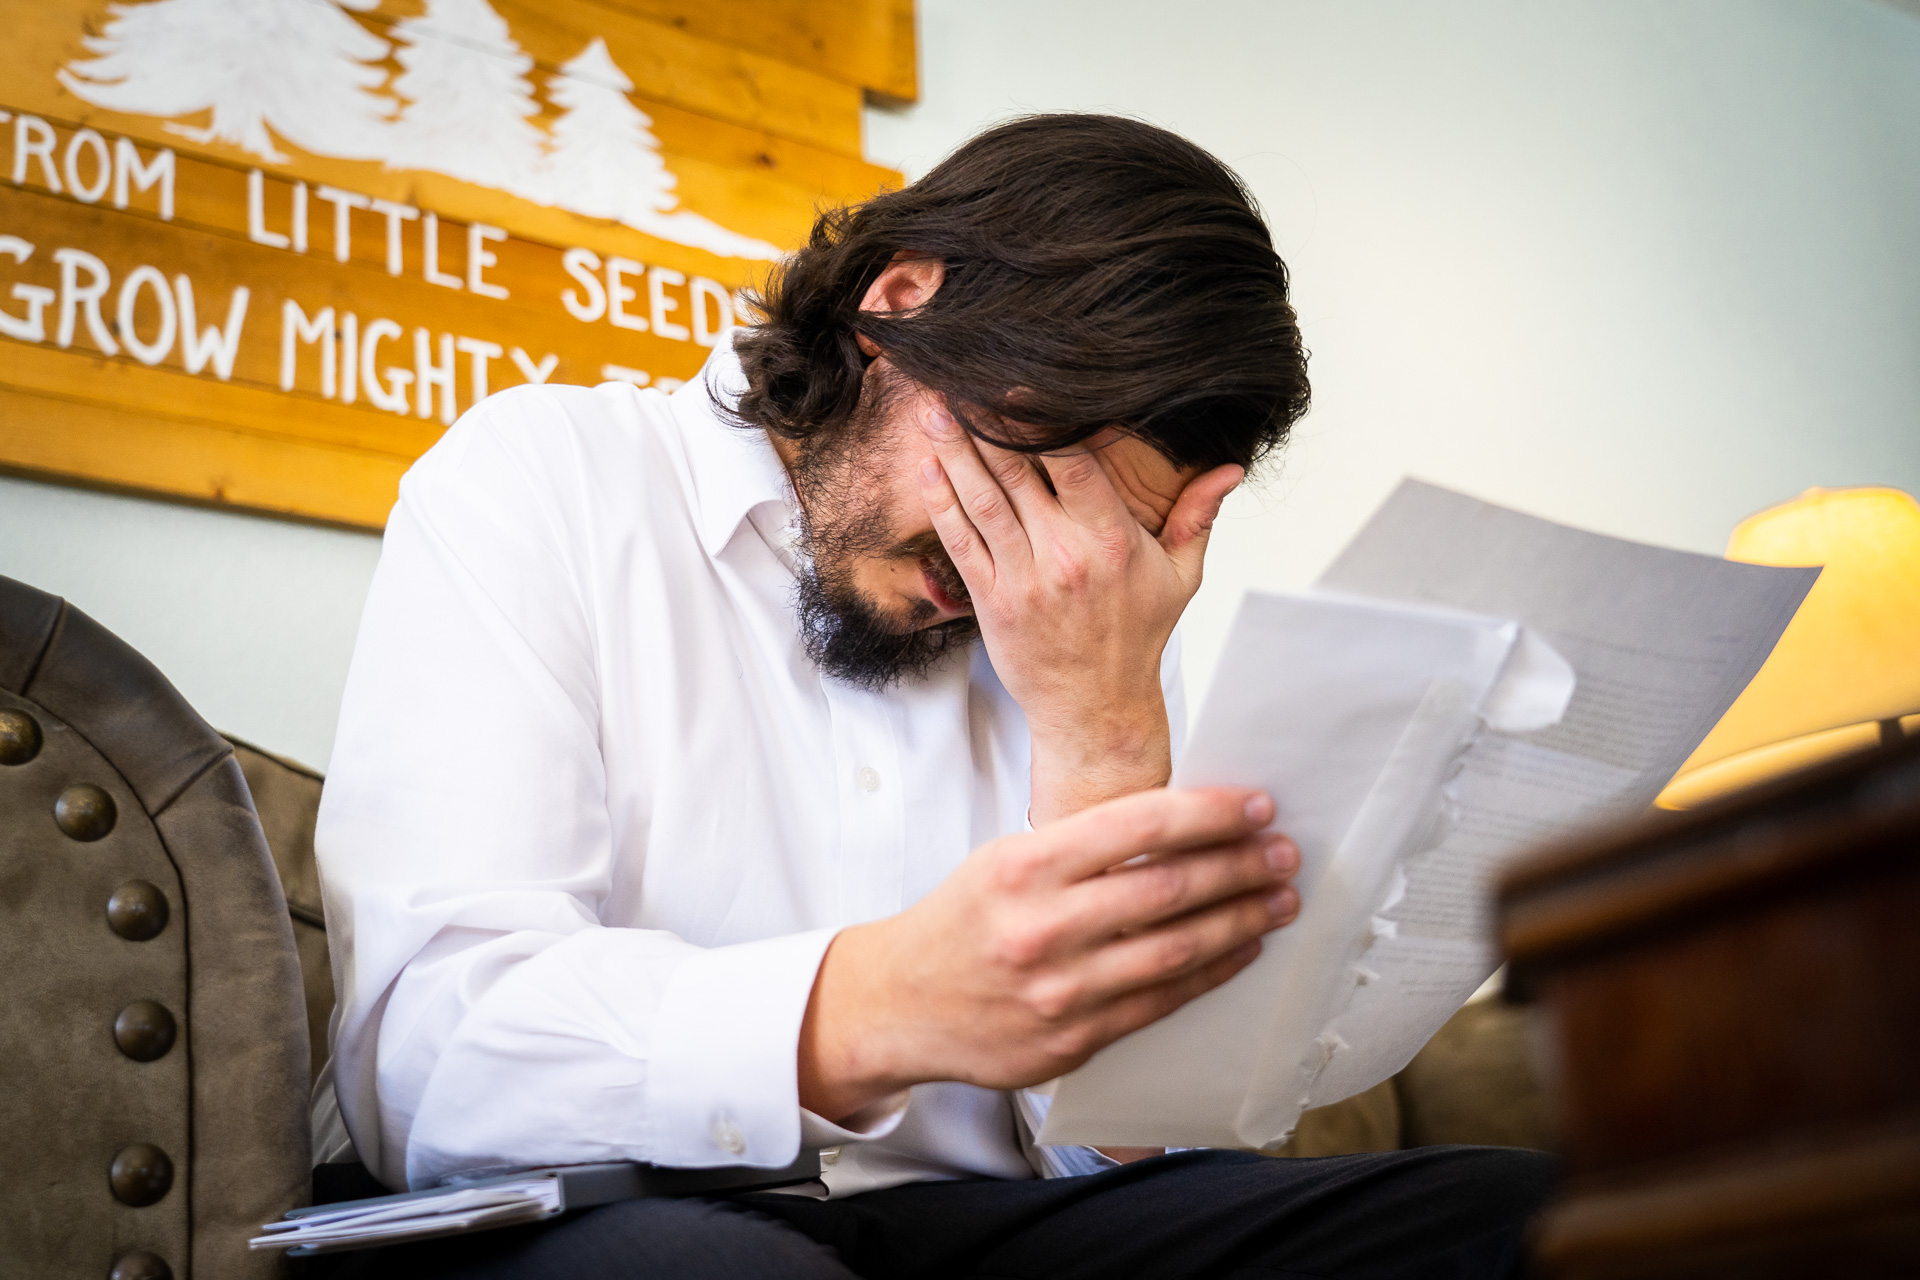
{"type": "Point", "coordinates": [604, 161]}
{"type": "Point", "coordinates": [302, 69]}
{"type": "Point", "coordinates": [468, 107]}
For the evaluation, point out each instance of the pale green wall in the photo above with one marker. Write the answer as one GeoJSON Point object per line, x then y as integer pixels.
{"type": "Point", "coordinates": [253, 619]}
{"type": "Point", "coordinates": [1642, 265]}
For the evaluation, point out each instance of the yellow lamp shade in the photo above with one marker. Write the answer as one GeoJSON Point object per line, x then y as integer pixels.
{"type": "Point", "coordinates": [1847, 664]}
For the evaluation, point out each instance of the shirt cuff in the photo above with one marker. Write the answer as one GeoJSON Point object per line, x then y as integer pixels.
{"type": "Point", "coordinates": [871, 1122]}
{"type": "Point", "coordinates": [723, 1071]}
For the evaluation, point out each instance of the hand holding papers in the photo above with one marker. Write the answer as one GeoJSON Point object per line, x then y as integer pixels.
{"type": "Point", "coordinates": [1465, 683]}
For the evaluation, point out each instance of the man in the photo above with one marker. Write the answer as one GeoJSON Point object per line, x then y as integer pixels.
{"type": "Point", "coordinates": [780, 763]}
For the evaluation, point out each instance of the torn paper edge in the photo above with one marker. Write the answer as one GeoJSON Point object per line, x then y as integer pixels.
{"type": "Point", "coordinates": [1531, 689]}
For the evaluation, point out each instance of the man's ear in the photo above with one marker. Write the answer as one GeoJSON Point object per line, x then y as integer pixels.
{"type": "Point", "coordinates": [906, 283]}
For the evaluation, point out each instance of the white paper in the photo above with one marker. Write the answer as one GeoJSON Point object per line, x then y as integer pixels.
{"type": "Point", "coordinates": [1409, 769]}
{"type": "Point", "coordinates": [392, 1219]}
{"type": "Point", "coordinates": [1351, 714]}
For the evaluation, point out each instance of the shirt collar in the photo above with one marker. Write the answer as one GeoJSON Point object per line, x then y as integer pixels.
{"type": "Point", "coordinates": [734, 468]}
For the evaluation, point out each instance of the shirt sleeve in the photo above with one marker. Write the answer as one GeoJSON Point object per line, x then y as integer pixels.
{"type": "Point", "coordinates": [486, 1016]}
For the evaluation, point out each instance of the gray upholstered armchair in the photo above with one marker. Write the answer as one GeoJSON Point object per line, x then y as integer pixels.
{"type": "Point", "coordinates": [155, 1052]}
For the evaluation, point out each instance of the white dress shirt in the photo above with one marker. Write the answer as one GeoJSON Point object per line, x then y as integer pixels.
{"type": "Point", "coordinates": [593, 816]}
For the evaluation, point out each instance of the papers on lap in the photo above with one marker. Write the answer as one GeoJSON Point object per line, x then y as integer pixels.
{"type": "Point", "coordinates": [362, 1224]}
{"type": "Point", "coordinates": [479, 1201]}
{"type": "Point", "coordinates": [1464, 684]}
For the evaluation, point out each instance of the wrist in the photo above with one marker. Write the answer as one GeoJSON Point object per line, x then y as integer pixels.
{"type": "Point", "coordinates": [1124, 754]}
{"type": "Point", "coordinates": [1113, 731]}
{"type": "Point", "coordinates": [844, 1062]}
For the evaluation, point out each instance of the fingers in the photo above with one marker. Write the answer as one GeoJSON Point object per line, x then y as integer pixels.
{"type": "Point", "coordinates": [1178, 948]}
{"type": "Point", "coordinates": [1132, 898]}
{"type": "Point", "coordinates": [981, 496]}
{"type": "Point", "coordinates": [1085, 490]}
{"type": "Point", "coordinates": [1148, 822]}
{"type": "Point", "coordinates": [1150, 1004]}
{"type": "Point", "coordinates": [963, 542]}
{"type": "Point", "coordinates": [1019, 477]}
{"type": "Point", "coordinates": [1190, 523]}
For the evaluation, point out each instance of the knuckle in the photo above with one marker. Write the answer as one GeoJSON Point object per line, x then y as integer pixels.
{"type": "Point", "coordinates": [1012, 471]}
{"type": "Point", "coordinates": [1071, 569]}
{"type": "Point", "coordinates": [1015, 870]}
{"type": "Point", "coordinates": [1162, 886]}
{"type": "Point", "coordinates": [1025, 944]}
{"type": "Point", "coordinates": [991, 507]}
{"type": "Point", "coordinates": [1072, 468]}
{"type": "Point", "coordinates": [1176, 951]}
{"type": "Point", "coordinates": [1051, 1001]}
{"type": "Point", "coordinates": [1147, 825]}
{"type": "Point", "coordinates": [1073, 1043]}
{"type": "Point", "coordinates": [1114, 543]}
{"type": "Point", "coordinates": [1250, 866]}
{"type": "Point", "coordinates": [1172, 996]}
{"type": "Point", "coordinates": [1233, 962]}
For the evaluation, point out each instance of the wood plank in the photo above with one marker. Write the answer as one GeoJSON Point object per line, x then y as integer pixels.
{"type": "Point", "coordinates": [754, 180]}
{"type": "Point", "coordinates": [667, 64]}
{"type": "Point", "coordinates": [99, 446]}
{"type": "Point", "coordinates": [870, 43]}
{"type": "Point", "coordinates": [717, 78]}
{"type": "Point", "coordinates": [89, 377]}
{"type": "Point", "coordinates": [752, 183]}
{"type": "Point", "coordinates": [749, 138]}
{"type": "Point", "coordinates": [1736, 1214]}
{"type": "Point", "coordinates": [755, 184]}
{"type": "Point", "coordinates": [532, 317]}
{"type": "Point", "coordinates": [213, 195]}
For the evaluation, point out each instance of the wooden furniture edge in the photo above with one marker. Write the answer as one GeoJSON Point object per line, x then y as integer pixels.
{"type": "Point", "coordinates": [1737, 1200]}
{"type": "Point", "coordinates": [1631, 882]}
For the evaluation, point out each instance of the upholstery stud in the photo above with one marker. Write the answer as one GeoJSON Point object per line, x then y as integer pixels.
{"type": "Point", "coordinates": [140, 1265]}
{"type": "Point", "coordinates": [19, 737]}
{"type": "Point", "coordinates": [141, 1175]}
{"type": "Point", "coordinates": [84, 811]}
{"type": "Point", "coordinates": [137, 911]}
{"type": "Point", "coordinates": [144, 1030]}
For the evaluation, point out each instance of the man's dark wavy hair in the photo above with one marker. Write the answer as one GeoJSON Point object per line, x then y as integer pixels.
{"type": "Point", "coordinates": [1099, 272]}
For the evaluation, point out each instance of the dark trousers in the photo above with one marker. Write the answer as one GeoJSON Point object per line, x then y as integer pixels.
{"type": "Point", "coordinates": [1436, 1213]}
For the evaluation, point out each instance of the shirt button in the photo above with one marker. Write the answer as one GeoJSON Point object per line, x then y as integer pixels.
{"type": "Point", "coordinates": [727, 1137]}
{"type": "Point", "coordinates": [829, 1156]}
{"type": "Point", "coordinates": [868, 779]}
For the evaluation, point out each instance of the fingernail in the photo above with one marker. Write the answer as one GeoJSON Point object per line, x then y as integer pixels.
{"type": "Point", "coordinates": [1260, 810]}
{"type": "Point", "coordinates": [1283, 904]}
{"type": "Point", "coordinates": [1283, 856]}
{"type": "Point", "coordinates": [938, 423]}
{"type": "Point", "coordinates": [930, 470]}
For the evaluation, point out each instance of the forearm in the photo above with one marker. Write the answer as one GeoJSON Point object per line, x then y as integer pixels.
{"type": "Point", "coordinates": [1111, 751]}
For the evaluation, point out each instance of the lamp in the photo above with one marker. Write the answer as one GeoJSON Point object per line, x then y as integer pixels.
{"type": "Point", "coordinates": [1846, 673]}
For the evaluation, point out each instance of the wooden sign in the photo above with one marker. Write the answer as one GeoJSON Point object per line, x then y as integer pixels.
{"type": "Point", "coordinates": [262, 252]}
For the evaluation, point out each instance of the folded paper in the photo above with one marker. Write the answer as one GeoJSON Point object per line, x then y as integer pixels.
{"type": "Point", "coordinates": [1465, 683]}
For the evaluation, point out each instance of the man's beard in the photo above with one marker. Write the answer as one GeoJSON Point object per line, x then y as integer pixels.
{"type": "Point", "coordinates": [845, 632]}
